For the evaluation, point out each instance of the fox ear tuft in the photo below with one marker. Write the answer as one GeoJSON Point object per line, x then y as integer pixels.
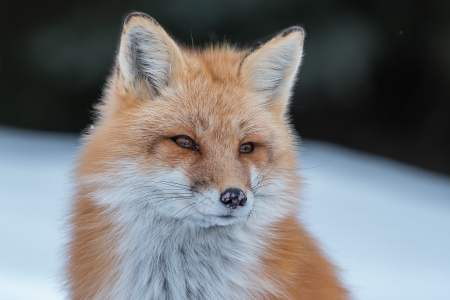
{"type": "Point", "coordinates": [148, 57]}
{"type": "Point", "coordinates": [271, 65]}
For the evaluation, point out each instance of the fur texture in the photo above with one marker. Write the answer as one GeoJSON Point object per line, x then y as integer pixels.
{"type": "Point", "coordinates": [147, 221]}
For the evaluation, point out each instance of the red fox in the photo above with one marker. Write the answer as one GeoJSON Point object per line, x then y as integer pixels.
{"type": "Point", "coordinates": [187, 186]}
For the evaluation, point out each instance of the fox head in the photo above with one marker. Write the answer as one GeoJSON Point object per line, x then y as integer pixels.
{"type": "Point", "coordinates": [198, 136]}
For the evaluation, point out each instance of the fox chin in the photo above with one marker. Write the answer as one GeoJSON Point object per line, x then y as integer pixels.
{"type": "Point", "coordinates": [187, 186]}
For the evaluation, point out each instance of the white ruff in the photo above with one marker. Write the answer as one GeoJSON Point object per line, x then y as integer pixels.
{"type": "Point", "coordinates": [172, 247]}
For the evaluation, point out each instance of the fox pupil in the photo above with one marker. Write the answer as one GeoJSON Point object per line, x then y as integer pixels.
{"type": "Point", "coordinates": [185, 143]}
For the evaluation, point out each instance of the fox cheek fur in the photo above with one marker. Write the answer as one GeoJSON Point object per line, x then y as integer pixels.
{"type": "Point", "coordinates": [187, 188]}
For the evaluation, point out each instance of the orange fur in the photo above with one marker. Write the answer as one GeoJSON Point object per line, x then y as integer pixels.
{"type": "Point", "coordinates": [298, 267]}
{"type": "Point", "coordinates": [91, 258]}
{"type": "Point", "coordinates": [218, 102]}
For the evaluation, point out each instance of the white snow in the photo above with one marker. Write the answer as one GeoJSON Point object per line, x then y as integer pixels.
{"type": "Point", "coordinates": [385, 224]}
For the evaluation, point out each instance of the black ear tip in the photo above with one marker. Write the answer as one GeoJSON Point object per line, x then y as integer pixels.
{"type": "Point", "coordinates": [292, 29]}
{"type": "Point", "coordinates": [281, 33]}
{"type": "Point", "coordinates": [138, 15]}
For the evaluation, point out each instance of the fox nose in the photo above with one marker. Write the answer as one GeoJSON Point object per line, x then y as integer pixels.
{"type": "Point", "coordinates": [233, 198]}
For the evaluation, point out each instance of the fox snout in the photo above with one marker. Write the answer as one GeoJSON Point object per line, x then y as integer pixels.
{"type": "Point", "coordinates": [233, 198]}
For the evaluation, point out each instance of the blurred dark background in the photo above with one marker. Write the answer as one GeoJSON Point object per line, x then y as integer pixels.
{"type": "Point", "coordinates": [375, 76]}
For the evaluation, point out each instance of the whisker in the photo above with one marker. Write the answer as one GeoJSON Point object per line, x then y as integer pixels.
{"type": "Point", "coordinates": [204, 198]}
{"type": "Point", "coordinates": [319, 166]}
{"type": "Point", "coordinates": [174, 184]}
{"type": "Point", "coordinates": [245, 223]}
{"type": "Point", "coordinates": [261, 177]}
{"type": "Point", "coordinates": [269, 164]}
{"type": "Point", "coordinates": [184, 208]}
{"type": "Point", "coordinates": [190, 176]}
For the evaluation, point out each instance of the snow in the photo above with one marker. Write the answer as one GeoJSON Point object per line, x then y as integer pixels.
{"type": "Point", "coordinates": [385, 224]}
{"type": "Point", "coordinates": [34, 190]}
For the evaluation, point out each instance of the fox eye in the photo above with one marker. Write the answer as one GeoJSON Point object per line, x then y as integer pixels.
{"type": "Point", "coordinates": [185, 142]}
{"type": "Point", "coordinates": [246, 148]}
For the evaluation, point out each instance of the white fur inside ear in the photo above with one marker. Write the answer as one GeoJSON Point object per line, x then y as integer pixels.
{"type": "Point", "coordinates": [144, 53]}
{"type": "Point", "coordinates": [271, 68]}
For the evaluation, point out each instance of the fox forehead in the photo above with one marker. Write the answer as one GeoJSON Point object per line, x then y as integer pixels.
{"type": "Point", "coordinates": [220, 63]}
{"type": "Point", "coordinates": [203, 105]}
{"type": "Point", "coordinates": [222, 118]}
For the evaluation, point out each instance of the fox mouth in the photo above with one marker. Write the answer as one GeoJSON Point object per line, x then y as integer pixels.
{"type": "Point", "coordinates": [226, 216]}
{"type": "Point", "coordinates": [214, 220]}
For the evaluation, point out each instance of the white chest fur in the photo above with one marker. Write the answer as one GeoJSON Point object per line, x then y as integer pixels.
{"type": "Point", "coordinates": [168, 260]}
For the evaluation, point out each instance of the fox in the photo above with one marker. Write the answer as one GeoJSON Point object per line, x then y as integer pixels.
{"type": "Point", "coordinates": [187, 184]}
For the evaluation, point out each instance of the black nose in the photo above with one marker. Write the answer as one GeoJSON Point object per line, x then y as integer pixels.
{"type": "Point", "coordinates": [232, 198]}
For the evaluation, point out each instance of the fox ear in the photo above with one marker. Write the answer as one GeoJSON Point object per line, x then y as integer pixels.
{"type": "Point", "coordinates": [148, 58]}
{"type": "Point", "coordinates": [270, 67]}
